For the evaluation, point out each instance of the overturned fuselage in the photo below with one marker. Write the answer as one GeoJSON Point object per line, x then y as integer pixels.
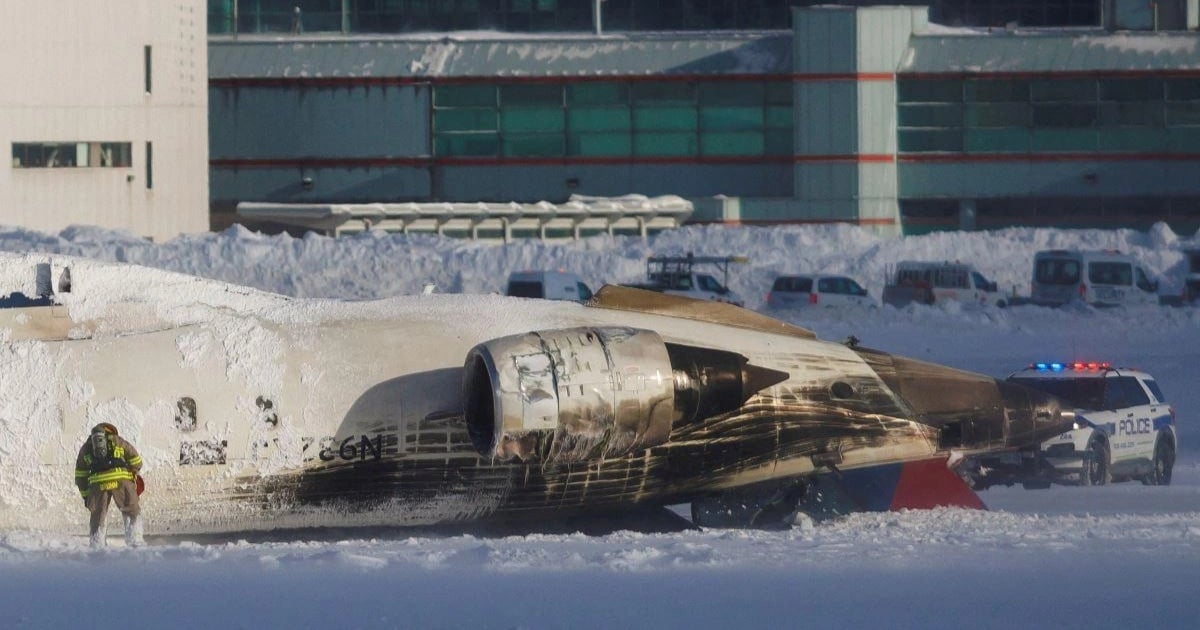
{"type": "Point", "coordinates": [254, 411]}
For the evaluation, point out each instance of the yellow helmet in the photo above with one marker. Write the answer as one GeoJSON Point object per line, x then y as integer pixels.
{"type": "Point", "coordinates": [104, 427]}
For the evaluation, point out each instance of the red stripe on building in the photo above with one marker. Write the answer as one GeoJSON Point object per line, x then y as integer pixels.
{"type": "Point", "coordinates": [421, 162]}
{"type": "Point", "coordinates": [1055, 74]}
{"type": "Point", "coordinates": [969, 158]}
{"type": "Point", "coordinates": [858, 221]}
{"type": "Point", "coordinates": [348, 82]}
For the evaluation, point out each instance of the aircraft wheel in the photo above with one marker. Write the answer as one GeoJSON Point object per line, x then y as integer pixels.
{"type": "Point", "coordinates": [1164, 462]}
{"type": "Point", "coordinates": [1096, 470]}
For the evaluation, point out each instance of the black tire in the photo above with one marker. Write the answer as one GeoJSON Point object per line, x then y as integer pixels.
{"type": "Point", "coordinates": [1039, 484]}
{"type": "Point", "coordinates": [1001, 304]}
{"type": "Point", "coordinates": [1097, 469]}
{"type": "Point", "coordinates": [1163, 464]}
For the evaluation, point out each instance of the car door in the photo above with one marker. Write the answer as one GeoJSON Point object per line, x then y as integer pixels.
{"type": "Point", "coordinates": [1143, 405]}
{"type": "Point", "coordinates": [1124, 396]}
{"type": "Point", "coordinates": [855, 294]}
{"type": "Point", "coordinates": [828, 292]}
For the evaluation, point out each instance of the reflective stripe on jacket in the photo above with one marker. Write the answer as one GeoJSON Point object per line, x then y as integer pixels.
{"type": "Point", "coordinates": [122, 453]}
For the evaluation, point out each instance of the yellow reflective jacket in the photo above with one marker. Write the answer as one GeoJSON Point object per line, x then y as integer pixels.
{"type": "Point", "coordinates": [121, 462]}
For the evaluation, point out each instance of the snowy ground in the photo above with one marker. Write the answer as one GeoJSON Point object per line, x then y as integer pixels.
{"type": "Point", "coordinates": [1114, 556]}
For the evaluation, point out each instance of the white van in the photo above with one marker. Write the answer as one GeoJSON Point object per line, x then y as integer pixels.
{"type": "Point", "coordinates": [548, 285]}
{"type": "Point", "coordinates": [805, 290]}
{"type": "Point", "coordinates": [931, 282]}
{"type": "Point", "coordinates": [1099, 278]}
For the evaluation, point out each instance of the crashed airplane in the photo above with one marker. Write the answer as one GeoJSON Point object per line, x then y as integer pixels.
{"type": "Point", "coordinates": [258, 411]}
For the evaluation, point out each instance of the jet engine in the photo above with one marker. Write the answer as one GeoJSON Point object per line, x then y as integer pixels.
{"type": "Point", "coordinates": [579, 394]}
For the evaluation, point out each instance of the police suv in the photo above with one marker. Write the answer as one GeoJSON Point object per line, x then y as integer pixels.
{"type": "Point", "coordinates": [1124, 429]}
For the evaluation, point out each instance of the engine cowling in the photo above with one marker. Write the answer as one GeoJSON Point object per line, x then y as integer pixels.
{"type": "Point", "coordinates": [569, 395]}
{"type": "Point", "coordinates": [578, 394]}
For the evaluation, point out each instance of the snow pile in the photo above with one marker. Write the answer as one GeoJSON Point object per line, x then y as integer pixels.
{"type": "Point", "coordinates": [1043, 557]}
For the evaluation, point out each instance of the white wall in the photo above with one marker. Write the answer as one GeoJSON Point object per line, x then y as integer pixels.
{"type": "Point", "coordinates": [74, 72]}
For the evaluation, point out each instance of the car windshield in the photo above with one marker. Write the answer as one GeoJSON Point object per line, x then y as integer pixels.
{"type": "Point", "coordinates": [1084, 393]}
{"type": "Point", "coordinates": [709, 283]}
{"type": "Point", "coordinates": [1056, 271]}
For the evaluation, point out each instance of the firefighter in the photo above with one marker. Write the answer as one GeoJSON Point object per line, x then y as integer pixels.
{"type": "Point", "coordinates": [107, 468]}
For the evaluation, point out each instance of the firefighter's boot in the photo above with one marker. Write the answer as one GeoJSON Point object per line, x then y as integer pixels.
{"type": "Point", "coordinates": [99, 537]}
{"type": "Point", "coordinates": [133, 531]}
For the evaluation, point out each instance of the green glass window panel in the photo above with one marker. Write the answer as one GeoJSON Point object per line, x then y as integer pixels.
{"type": "Point", "coordinates": [464, 96]}
{"type": "Point", "coordinates": [1133, 140]}
{"type": "Point", "coordinates": [531, 95]}
{"type": "Point", "coordinates": [997, 91]}
{"type": "Point", "coordinates": [928, 140]}
{"type": "Point", "coordinates": [996, 140]}
{"type": "Point", "coordinates": [778, 117]}
{"type": "Point", "coordinates": [724, 93]}
{"type": "Point", "coordinates": [1131, 89]}
{"type": "Point", "coordinates": [929, 91]}
{"type": "Point", "coordinates": [998, 115]}
{"type": "Point", "coordinates": [598, 119]}
{"type": "Point", "coordinates": [731, 118]}
{"type": "Point", "coordinates": [464, 120]}
{"type": "Point", "coordinates": [1131, 114]}
{"type": "Point", "coordinates": [664, 118]}
{"type": "Point", "coordinates": [531, 119]}
{"type": "Point", "coordinates": [1064, 115]}
{"type": "Point", "coordinates": [600, 144]}
{"type": "Point", "coordinates": [598, 94]}
{"type": "Point", "coordinates": [675, 93]}
{"type": "Point", "coordinates": [1184, 139]}
{"type": "Point", "coordinates": [930, 115]}
{"type": "Point", "coordinates": [664, 144]}
{"type": "Point", "coordinates": [731, 143]}
{"type": "Point", "coordinates": [1181, 114]}
{"type": "Point", "coordinates": [779, 142]}
{"type": "Point", "coordinates": [1063, 140]}
{"type": "Point", "coordinates": [1183, 89]}
{"type": "Point", "coordinates": [532, 145]}
{"type": "Point", "coordinates": [466, 144]}
{"type": "Point", "coordinates": [1064, 90]}
{"type": "Point", "coordinates": [778, 93]}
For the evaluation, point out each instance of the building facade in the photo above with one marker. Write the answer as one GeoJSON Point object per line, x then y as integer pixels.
{"type": "Point", "coordinates": [1066, 113]}
{"type": "Point", "coordinates": [105, 116]}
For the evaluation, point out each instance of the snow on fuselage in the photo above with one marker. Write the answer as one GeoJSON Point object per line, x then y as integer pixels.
{"type": "Point", "coordinates": [256, 411]}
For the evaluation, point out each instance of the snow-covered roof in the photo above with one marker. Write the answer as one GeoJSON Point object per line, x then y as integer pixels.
{"type": "Point", "coordinates": [980, 50]}
{"type": "Point", "coordinates": [497, 54]}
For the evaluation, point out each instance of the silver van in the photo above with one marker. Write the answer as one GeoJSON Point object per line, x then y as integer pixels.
{"type": "Point", "coordinates": [1099, 278]}
{"type": "Point", "coordinates": [548, 285]}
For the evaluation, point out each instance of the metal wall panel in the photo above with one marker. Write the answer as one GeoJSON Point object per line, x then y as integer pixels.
{"type": "Point", "coordinates": [277, 122]}
{"type": "Point", "coordinates": [76, 73]}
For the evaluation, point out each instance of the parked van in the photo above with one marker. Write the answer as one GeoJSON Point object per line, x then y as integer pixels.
{"type": "Point", "coordinates": [805, 290]}
{"type": "Point", "coordinates": [1191, 284]}
{"type": "Point", "coordinates": [930, 282]}
{"type": "Point", "coordinates": [1099, 278]}
{"type": "Point", "coordinates": [548, 285]}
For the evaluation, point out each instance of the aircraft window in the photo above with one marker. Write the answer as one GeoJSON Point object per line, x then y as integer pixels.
{"type": "Point", "coordinates": [266, 411]}
{"type": "Point", "coordinates": [841, 390]}
{"type": "Point", "coordinates": [185, 414]}
{"type": "Point", "coordinates": [204, 453]}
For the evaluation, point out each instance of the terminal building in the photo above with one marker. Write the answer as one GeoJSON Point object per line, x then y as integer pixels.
{"type": "Point", "coordinates": [963, 114]}
{"type": "Point", "coordinates": [104, 112]}
{"type": "Point", "coordinates": [945, 114]}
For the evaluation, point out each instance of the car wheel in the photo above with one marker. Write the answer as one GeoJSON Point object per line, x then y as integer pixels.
{"type": "Point", "coordinates": [1001, 304]}
{"type": "Point", "coordinates": [1096, 470]}
{"type": "Point", "coordinates": [1040, 484]}
{"type": "Point", "coordinates": [1164, 462]}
